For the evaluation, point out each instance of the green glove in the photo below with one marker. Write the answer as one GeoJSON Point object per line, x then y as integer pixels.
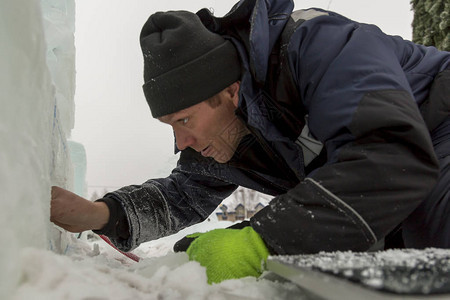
{"type": "Point", "coordinates": [229, 253]}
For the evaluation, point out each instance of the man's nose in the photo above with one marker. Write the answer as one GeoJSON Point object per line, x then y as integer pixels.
{"type": "Point", "coordinates": [184, 140]}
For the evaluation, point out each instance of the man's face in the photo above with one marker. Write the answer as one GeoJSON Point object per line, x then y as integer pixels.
{"type": "Point", "coordinates": [213, 131]}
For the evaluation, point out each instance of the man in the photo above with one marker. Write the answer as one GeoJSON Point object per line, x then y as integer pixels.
{"type": "Point", "coordinates": [347, 127]}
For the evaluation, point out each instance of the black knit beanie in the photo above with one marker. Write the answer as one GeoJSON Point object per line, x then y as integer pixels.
{"type": "Point", "coordinates": [184, 62]}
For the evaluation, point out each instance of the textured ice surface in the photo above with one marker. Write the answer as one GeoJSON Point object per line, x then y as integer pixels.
{"type": "Point", "coordinates": [405, 271]}
{"type": "Point", "coordinates": [79, 162]}
{"type": "Point", "coordinates": [36, 115]}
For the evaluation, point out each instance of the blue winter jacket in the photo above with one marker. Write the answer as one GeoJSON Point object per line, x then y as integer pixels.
{"type": "Point", "coordinates": [337, 105]}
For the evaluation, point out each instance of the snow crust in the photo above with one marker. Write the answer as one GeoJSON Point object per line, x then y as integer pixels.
{"type": "Point", "coordinates": [405, 271]}
{"type": "Point", "coordinates": [36, 98]}
{"type": "Point", "coordinates": [91, 269]}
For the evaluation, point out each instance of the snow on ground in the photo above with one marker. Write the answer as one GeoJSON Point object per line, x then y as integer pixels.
{"type": "Point", "coordinates": [91, 269]}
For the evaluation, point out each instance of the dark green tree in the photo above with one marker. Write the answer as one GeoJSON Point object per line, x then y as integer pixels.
{"type": "Point", "coordinates": [431, 24]}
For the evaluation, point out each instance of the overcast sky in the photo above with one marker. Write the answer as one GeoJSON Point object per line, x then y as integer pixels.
{"type": "Point", "coordinates": [124, 145]}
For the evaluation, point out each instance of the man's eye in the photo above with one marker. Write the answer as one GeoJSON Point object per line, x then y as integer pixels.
{"type": "Point", "coordinates": [185, 120]}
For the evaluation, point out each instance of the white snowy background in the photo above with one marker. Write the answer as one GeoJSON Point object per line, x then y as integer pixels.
{"type": "Point", "coordinates": [123, 146]}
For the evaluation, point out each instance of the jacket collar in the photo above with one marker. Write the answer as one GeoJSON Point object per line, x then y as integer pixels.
{"type": "Point", "coordinates": [257, 24]}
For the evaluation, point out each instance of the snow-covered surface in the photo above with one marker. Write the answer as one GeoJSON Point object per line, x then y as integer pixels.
{"type": "Point", "coordinates": [91, 269]}
{"type": "Point", "coordinates": [405, 271]}
{"type": "Point", "coordinates": [37, 72]}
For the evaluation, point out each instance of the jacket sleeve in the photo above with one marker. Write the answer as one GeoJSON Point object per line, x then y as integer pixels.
{"type": "Point", "coordinates": [163, 206]}
{"type": "Point", "coordinates": [380, 159]}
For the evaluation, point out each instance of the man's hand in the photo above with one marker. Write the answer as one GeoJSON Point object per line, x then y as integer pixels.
{"type": "Point", "coordinates": [76, 214]}
{"type": "Point", "coordinates": [227, 253]}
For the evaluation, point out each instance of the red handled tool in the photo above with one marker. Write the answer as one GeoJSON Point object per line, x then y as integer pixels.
{"type": "Point", "coordinates": [129, 255]}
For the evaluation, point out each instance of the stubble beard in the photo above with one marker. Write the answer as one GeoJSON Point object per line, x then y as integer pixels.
{"type": "Point", "coordinates": [229, 138]}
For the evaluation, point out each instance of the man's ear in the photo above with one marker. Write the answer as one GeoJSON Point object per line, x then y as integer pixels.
{"type": "Point", "coordinates": [233, 91]}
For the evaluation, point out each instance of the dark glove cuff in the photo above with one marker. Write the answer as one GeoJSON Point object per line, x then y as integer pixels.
{"type": "Point", "coordinates": [239, 225]}
{"type": "Point", "coordinates": [183, 244]}
{"type": "Point", "coordinates": [117, 226]}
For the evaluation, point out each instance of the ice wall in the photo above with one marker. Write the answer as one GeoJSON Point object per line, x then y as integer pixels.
{"type": "Point", "coordinates": [79, 163]}
{"type": "Point", "coordinates": [36, 115]}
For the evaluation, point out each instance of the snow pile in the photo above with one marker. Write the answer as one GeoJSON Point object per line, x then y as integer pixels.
{"type": "Point", "coordinates": [36, 99]}
{"type": "Point", "coordinates": [94, 270]}
{"type": "Point", "coordinates": [47, 276]}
